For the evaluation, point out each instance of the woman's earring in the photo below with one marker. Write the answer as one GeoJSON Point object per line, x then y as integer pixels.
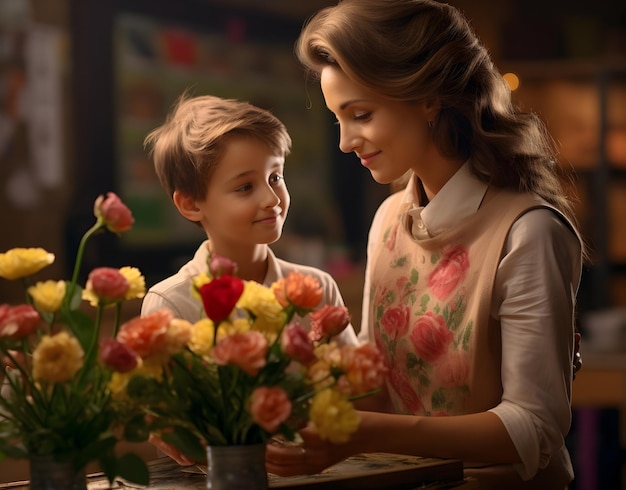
{"type": "Point", "coordinates": [430, 124]}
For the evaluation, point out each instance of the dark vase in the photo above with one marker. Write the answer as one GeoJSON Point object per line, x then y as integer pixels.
{"type": "Point", "coordinates": [236, 467]}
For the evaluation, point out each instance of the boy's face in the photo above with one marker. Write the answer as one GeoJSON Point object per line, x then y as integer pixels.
{"type": "Point", "coordinates": [247, 200]}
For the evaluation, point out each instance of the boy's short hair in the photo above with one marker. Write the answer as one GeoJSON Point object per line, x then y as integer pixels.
{"type": "Point", "coordinates": [191, 142]}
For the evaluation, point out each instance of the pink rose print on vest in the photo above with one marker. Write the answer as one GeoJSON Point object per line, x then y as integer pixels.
{"type": "Point", "coordinates": [453, 370]}
{"type": "Point", "coordinates": [449, 273]}
{"type": "Point", "coordinates": [390, 240]}
{"type": "Point", "coordinates": [400, 384]}
{"type": "Point", "coordinates": [395, 321]}
{"type": "Point", "coordinates": [430, 336]}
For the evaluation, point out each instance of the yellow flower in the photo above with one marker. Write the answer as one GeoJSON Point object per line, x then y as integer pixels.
{"type": "Point", "coordinates": [137, 282]}
{"type": "Point", "coordinates": [22, 262]}
{"type": "Point", "coordinates": [333, 416]}
{"type": "Point", "coordinates": [48, 295]}
{"type": "Point", "coordinates": [202, 337]}
{"type": "Point", "coordinates": [57, 358]}
{"type": "Point", "coordinates": [197, 282]}
{"type": "Point", "coordinates": [260, 301]}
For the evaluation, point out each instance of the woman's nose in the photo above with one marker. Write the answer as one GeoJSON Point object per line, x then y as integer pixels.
{"type": "Point", "coordinates": [348, 141]}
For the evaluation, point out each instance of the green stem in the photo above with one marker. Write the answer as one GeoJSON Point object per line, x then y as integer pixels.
{"type": "Point", "coordinates": [79, 256]}
{"type": "Point", "coordinates": [118, 316]}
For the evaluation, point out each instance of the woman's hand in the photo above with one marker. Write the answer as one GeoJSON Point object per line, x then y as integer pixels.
{"type": "Point", "coordinates": [312, 456]}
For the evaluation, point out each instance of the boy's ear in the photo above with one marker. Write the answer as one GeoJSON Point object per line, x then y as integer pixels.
{"type": "Point", "coordinates": [186, 206]}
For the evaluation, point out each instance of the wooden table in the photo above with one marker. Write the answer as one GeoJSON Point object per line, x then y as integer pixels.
{"type": "Point", "coordinates": [366, 472]}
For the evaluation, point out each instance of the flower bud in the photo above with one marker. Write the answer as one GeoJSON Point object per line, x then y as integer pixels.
{"type": "Point", "coordinates": [220, 296]}
{"type": "Point", "coordinates": [220, 265]}
{"type": "Point", "coordinates": [117, 356]}
{"type": "Point", "coordinates": [105, 285]}
{"type": "Point", "coordinates": [113, 212]}
{"type": "Point", "coordinates": [296, 343]}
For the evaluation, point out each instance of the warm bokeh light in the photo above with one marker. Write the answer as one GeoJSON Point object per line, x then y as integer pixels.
{"type": "Point", "coordinates": [512, 80]}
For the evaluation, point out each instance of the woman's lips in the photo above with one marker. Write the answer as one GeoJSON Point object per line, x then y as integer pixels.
{"type": "Point", "coordinates": [366, 160]}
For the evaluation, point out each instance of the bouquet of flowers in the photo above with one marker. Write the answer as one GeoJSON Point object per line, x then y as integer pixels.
{"type": "Point", "coordinates": [247, 371]}
{"type": "Point", "coordinates": [55, 399]}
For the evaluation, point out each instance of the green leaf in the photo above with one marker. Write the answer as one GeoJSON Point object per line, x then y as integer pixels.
{"type": "Point", "coordinates": [134, 469]}
{"type": "Point", "coordinates": [136, 429]}
{"type": "Point", "coordinates": [81, 326]}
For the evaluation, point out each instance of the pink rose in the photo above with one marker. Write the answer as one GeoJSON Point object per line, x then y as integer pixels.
{"type": "Point", "coordinates": [246, 350]}
{"type": "Point", "coordinates": [220, 296]}
{"type": "Point", "coordinates": [117, 356]}
{"type": "Point", "coordinates": [108, 284]}
{"type": "Point", "coordinates": [395, 321]}
{"type": "Point", "coordinates": [115, 214]}
{"type": "Point", "coordinates": [430, 336]}
{"type": "Point", "coordinates": [270, 407]}
{"type": "Point", "coordinates": [454, 369]}
{"type": "Point", "coordinates": [220, 266]}
{"type": "Point", "coordinates": [450, 271]}
{"type": "Point", "coordinates": [18, 321]}
{"type": "Point", "coordinates": [300, 290]}
{"type": "Point", "coordinates": [296, 343]}
{"type": "Point", "coordinates": [328, 321]}
{"type": "Point", "coordinates": [404, 390]}
{"type": "Point", "coordinates": [146, 335]}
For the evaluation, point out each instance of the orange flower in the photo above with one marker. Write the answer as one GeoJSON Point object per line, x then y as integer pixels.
{"type": "Point", "coordinates": [328, 321]}
{"type": "Point", "coordinates": [270, 407]}
{"type": "Point", "coordinates": [364, 367]}
{"type": "Point", "coordinates": [300, 290]}
{"type": "Point", "coordinates": [146, 335]}
{"type": "Point", "coordinates": [246, 350]}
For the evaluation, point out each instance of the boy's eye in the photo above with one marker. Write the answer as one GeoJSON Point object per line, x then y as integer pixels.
{"type": "Point", "coordinates": [276, 178]}
{"type": "Point", "coordinates": [243, 188]}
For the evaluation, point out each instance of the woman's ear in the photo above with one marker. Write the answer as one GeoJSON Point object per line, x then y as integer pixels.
{"type": "Point", "coordinates": [186, 206]}
{"type": "Point", "coordinates": [433, 106]}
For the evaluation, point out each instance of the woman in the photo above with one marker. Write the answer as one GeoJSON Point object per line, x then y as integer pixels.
{"type": "Point", "coordinates": [473, 268]}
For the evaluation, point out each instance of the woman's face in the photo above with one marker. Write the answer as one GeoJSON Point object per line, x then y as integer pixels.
{"type": "Point", "coordinates": [389, 137]}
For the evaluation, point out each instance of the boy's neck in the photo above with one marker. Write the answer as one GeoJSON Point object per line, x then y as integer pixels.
{"type": "Point", "coordinates": [251, 264]}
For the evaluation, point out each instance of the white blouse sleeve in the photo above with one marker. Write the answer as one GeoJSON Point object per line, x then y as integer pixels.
{"type": "Point", "coordinates": [534, 298]}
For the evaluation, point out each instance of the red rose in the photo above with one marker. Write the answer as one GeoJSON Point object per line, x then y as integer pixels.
{"type": "Point", "coordinates": [450, 271]}
{"type": "Point", "coordinates": [115, 214]}
{"type": "Point", "coordinates": [400, 384]}
{"type": "Point", "coordinates": [220, 296]}
{"type": "Point", "coordinates": [430, 336]}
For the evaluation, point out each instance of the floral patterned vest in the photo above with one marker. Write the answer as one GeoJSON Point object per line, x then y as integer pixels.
{"type": "Point", "coordinates": [430, 307]}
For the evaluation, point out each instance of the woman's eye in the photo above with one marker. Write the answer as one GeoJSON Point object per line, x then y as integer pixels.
{"type": "Point", "coordinates": [362, 116]}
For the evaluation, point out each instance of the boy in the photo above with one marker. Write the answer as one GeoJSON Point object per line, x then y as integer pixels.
{"type": "Point", "coordinates": [221, 161]}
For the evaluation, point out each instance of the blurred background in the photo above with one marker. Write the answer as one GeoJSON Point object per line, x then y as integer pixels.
{"type": "Point", "coordinates": [83, 81]}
